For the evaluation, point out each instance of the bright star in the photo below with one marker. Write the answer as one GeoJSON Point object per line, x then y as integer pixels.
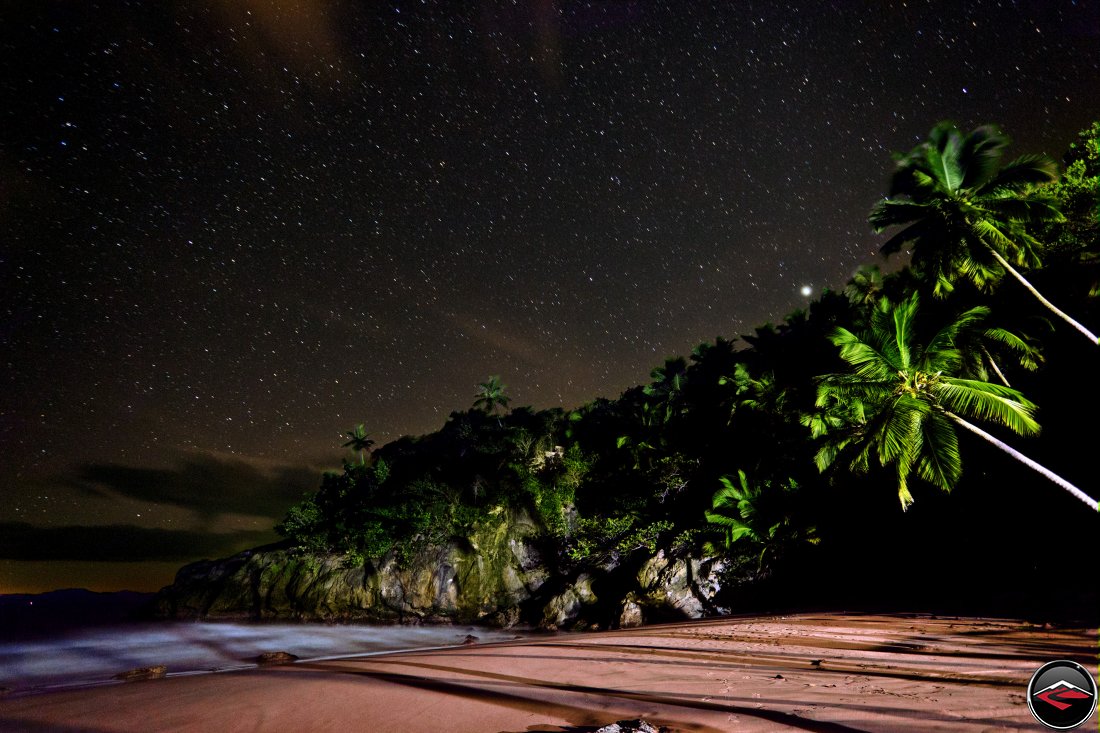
{"type": "Point", "coordinates": [807, 291]}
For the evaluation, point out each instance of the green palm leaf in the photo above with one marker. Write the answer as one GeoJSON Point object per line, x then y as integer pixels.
{"type": "Point", "coordinates": [940, 462]}
{"type": "Point", "coordinates": [1020, 174]}
{"type": "Point", "coordinates": [989, 402]}
{"type": "Point", "coordinates": [895, 212]}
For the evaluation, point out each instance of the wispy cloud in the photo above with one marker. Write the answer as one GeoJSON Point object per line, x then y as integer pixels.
{"type": "Point", "coordinates": [208, 485]}
{"type": "Point", "coordinates": [120, 543]}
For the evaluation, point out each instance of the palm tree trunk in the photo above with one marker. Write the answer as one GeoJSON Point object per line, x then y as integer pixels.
{"type": "Point", "coordinates": [997, 369]}
{"type": "Point", "coordinates": [1031, 289]}
{"type": "Point", "coordinates": [1021, 457]}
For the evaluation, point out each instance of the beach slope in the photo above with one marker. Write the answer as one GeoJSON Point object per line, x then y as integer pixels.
{"type": "Point", "coordinates": [806, 672]}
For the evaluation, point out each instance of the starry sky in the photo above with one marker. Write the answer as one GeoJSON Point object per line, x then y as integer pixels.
{"type": "Point", "coordinates": [233, 229]}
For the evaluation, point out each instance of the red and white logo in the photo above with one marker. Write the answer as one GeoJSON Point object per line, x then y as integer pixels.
{"type": "Point", "coordinates": [1062, 695]}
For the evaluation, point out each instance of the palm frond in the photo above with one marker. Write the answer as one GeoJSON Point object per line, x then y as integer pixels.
{"type": "Point", "coordinates": [942, 351]}
{"type": "Point", "coordinates": [730, 493]}
{"type": "Point", "coordinates": [895, 212]}
{"type": "Point", "coordinates": [1031, 210]}
{"type": "Point", "coordinates": [1021, 173]}
{"type": "Point", "coordinates": [942, 132]}
{"type": "Point", "coordinates": [851, 390]}
{"type": "Point", "coordinates": [904, 496]}
{"type": "Point", "coordinates": [912, 233]}
{"type": "Point", "coordinates": [940, 463]}
{"type": "Point", "coordinates": [1029, 356]}
{"type": "Point", "coordinates": [735, 529]}
{"type": "Point", "coordinates": [993, 235]}
{"type": "Point", "coordinates": [870, 363]}
{"type": "Point", "coordinates": [826, 455]}
{"type": "Point", "coordinates": [896, 428]}
{"type": "Point", "coordinates": [979, 155]}
{"type": "Point", "coordinates": [987, 401]}
{"type": "Point", "coordinates": [903, 314]}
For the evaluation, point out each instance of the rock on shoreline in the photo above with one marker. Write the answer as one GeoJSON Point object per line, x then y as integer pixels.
{"type": "Point", "coordinates": [496, 576]}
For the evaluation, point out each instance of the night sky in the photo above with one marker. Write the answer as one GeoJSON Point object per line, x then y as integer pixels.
{"type": "Point", "coordinates": [232, 230]}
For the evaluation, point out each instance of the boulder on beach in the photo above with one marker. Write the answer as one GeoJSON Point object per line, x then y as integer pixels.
{"type": "Point", "coordinates": [143, 673]}
{"type": "Point", "coordinates": [276, 658]}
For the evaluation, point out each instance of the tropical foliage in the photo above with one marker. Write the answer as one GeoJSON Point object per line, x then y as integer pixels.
{"type": "Point", "coordinates": [759, 516]}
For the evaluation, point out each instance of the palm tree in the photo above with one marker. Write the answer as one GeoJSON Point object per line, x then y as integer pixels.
{"type": "Point", "coordinates": [965, 216]}
{"type": "Point", "coordinates": [491, 395]}
{"type": "Point", "coordinates": [865, 287]}
{"type": "Point", "coordinates": [758, 515]}
{"type": "Point", "coordinates": [902, 402]}
{"type": "Point", "coordinates": [359, 443]}
{"type": "Point", "coordinates": [761, 395]}
{"type": "Point", "coordinates": [667, 387]}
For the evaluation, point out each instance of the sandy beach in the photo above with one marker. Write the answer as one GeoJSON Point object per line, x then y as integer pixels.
{"type": "Point", "coordinates": [806, 672]}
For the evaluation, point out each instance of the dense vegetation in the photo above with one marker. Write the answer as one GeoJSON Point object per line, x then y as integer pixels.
{"type": "Point", "coordinates": [789, 449]}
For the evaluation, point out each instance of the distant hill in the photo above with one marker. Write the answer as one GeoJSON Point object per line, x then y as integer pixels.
{"type": "Point", "coordinates": [23, 615]}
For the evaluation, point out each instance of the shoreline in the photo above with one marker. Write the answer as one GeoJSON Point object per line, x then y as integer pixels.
{"type": "Point", "coordinates": [809, 671]}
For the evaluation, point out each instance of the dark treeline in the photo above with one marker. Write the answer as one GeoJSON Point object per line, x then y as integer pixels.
{"type": "Point", "coordinates": [831, 458]}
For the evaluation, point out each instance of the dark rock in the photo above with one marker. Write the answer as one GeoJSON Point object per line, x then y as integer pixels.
{"type": "Point", "coordinates": [631, 726]}
{"type": "Point", "coordinates": [681, 587]}
{"type": "Point", "coordinates": [565, 608]}
{"type": "Point", "coordinates": [494, 576]}
{"type": "Point", "coordinates": [143, 673]}
{"type": "Point", "coordinates": [276, 658]}
{"type": "Point", "coordinates": [470, 639]}
{"type": "Point", "coordinates": [631, 615]}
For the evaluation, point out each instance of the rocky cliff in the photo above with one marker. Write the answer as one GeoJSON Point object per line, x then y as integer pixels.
{"type": "Point", "coordinates": [495, 576]}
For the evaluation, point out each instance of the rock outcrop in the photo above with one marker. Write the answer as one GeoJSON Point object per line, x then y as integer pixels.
{"type": "Point", "coordinates": [477, 580]}
{"type": "Point", "coordinates": [496, 576]}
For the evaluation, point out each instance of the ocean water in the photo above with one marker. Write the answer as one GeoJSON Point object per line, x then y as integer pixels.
{"type": "Point", "coordinates": [93, 656]}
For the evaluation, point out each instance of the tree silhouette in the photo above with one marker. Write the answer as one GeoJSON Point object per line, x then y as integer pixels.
{"type": "Point", "coordinates": [491, 395]}
{"type": "Point", "coordinates": [359, 442]}
{"type": "Point", "coordinates": [865, 287]}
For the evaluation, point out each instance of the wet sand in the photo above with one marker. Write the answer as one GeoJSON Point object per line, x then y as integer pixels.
{"type": "Point", "coordinates": [806, 672]}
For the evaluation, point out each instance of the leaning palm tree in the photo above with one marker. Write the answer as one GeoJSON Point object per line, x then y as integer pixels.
{"type": "Point", "coordinates": [902, 402]}
{"type": "Point", "coordinates": [491, 395]}
{"type": "Point", "coordinates": [965, 215]}
{"type": "Point", "coordinates": [359, 442]}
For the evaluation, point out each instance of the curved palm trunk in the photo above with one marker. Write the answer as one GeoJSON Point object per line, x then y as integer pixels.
{"type": "Point", "coordinates": [1024, 459]}
{"type": "Point", "coordinates": [1031, 289]}
{"type": "Point", "coordinates": [997, 369]}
